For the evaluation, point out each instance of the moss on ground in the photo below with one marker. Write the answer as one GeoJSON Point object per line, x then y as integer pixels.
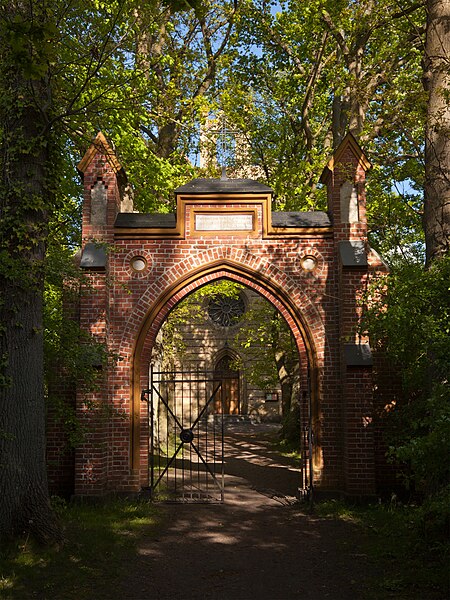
{"type": "Point", "coordinates": [100, 539]}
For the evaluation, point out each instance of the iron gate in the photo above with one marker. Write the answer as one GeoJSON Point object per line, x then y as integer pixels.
{"type": "Point", "coordinates": [186, 443]}
{"type": "Point", "coordinates": [186, 437]}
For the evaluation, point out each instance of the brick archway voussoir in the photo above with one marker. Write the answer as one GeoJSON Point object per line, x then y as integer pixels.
{"type": "Point", "coordinates": [238, 259]}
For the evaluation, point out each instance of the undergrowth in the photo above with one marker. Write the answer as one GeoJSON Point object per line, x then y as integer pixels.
{"type": "Point", "coordinates": [410, 552]}
{"type": "Point", "coordinates": [100, 539]}
{"type": "Point", "coordinates": [407, 546]}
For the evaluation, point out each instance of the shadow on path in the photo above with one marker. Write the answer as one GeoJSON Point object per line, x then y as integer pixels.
{"type": "Point", "coordinates": [253, 546]}
{"type": "Point", "coordinates": [248, 455]}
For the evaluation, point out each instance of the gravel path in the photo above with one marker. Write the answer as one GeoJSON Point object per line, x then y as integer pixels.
{"type": "Point", "coordinates": [257, 545]}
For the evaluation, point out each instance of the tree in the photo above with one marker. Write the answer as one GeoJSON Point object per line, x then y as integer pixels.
{"type": "Point", "coordinates": [269, 357]}
{"type": "Point", "coordinates": [151, 85]}
{"type": "Point", "coordinates": [323, 68]}
{"type": "Point", "coordinates": [167, 40]}
{"type": "Point", "coordinates": [60, 68]}
{"type": "Point", "coordinates": [29, 177]}
{"type": "Point", "coordinates": [418, 426]}
{"type": "Point", "coordinates": [436, 217]}
{"type": "Point", "coordinates": [408, 320]}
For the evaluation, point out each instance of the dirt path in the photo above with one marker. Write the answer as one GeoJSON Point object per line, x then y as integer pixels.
{"type": "Point", "coordinates": [258, 545]}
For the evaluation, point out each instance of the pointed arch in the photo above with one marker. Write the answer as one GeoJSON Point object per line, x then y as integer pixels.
{"type": "Point", "coordinates": [305, 326]}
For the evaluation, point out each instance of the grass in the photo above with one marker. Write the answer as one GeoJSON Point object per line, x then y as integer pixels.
{"type": "Point", "coordinates": [101, 539]}
{"type": "Point", "coordinates": [285, 448]}
{"type": "Point", "coordinates": [409, 563]}
{"type": "Point", "coordinates": [409, 566]}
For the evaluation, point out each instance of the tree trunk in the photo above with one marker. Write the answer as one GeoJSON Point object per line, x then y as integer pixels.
{"type": "Point", "coordinates": [168, 136]}
{"type": "Point", "coordinates": [24, 501]}
{"type": "Point", "coordinates": [288, 371]}
{"type": "Point", "coordinates": [436, 216]}
{"type": "Point", "coordinates": [25, 199]}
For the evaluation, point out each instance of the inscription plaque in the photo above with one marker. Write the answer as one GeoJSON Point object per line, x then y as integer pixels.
{"type": "Point", "coordinates": [99, 201]}
{"type": "Point", "coordinates": [224, 222]}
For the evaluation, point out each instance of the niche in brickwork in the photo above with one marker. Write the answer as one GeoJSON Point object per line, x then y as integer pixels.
{"type": "Point", "coordinates": [99, 201]}
{"type": "Point", "coordinates": [349, 203]}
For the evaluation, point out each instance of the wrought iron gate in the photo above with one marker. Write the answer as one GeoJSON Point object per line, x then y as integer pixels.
{"type": "Point", "coordinates": [305, 490]}
{"type": "Point", "coordinates": [186, 444]}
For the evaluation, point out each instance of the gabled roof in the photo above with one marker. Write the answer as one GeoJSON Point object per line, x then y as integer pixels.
{"type": "Point", "coordinates": [93, 257]}
{"type": "Point", "coordinates": [99, 145]}
{"type": "Point", "coordinates": [348, 142]}
{"type": "Point", "coordinates": [223, 186]}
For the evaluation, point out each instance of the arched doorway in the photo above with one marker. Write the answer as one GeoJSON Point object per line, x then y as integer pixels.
{"type": "Point", "coordinates": [312, 269]}
{"type": "Point", "coordinates": [280, 300]}
{"type": "Point", "coordinates": [228, 402]}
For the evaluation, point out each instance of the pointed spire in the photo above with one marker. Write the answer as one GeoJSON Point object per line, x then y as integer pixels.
{"type": "Point", "coordinates": [348, 143]}
{"type": "Point", "coordinates": [101, 146]}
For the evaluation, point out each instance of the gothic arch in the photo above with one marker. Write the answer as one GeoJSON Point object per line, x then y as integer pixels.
{"type": "Point", "coordinates": [239, 261]}
{"type": "Point", "coordinates": [220, 354]}
{"type": "Point", "coordinates": [307, 330]}
{"type": "Point", "coordinates": [313, 269]}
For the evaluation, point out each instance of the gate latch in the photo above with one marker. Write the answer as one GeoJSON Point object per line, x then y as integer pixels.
{"type": "Point", "coordinates": [144, 395]}
{"type": "Point", "coordinates": [186, 436]}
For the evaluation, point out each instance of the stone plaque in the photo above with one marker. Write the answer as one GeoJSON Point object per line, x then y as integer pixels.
{"type": "Point", "coordinates": [99, 203]}
{"type": "Point", "coordinates": [349, 203]}
{"type": "Point", "coordinates": [224, 222]}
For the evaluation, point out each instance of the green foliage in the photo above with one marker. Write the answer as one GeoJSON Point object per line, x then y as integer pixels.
{"type": "Point", "coordinates": [140, 73]}
{"type": "Point", "coordinates": [433, 523]}
{"type": "Point", "coordinates": [264, 337]}
{"type": "Point", "coordinates": [190, 311]}
{"type": "Point", "coordinates": [407, 544]}
{"type": "Point", "coordinates": [31, 44]}
{"type": "Point", "coordinates": [100, 539]}
{"type": "Point", "coordinates": [409, 320]}
{"type": "Point", "coordinates": [421, 438]}
{"type": "Point", "coordinates": [259, 329]}
{"type": "Point", "coordinates": [291, 428]}
{"type": "Point", "coordinates": [71, 355]}
{"type": "Point", "coordinates": [269, 358]}
{"type": "Point", "coordinates": [302, 76]}
{"type": "Point", "coordinates": [394, 214]}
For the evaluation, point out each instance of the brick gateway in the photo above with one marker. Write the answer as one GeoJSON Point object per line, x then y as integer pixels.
{"type": "Point", "coordinates": [312, 266]}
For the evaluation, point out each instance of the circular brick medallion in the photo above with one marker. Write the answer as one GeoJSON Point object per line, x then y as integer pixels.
{"type": "Point", "coordinates": [138, 263]}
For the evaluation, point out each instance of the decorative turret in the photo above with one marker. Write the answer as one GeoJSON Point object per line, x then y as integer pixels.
{"type": "Point", "coordinates": [105, 187]}
{"type": "Point", "coordinates": [345, 176]}
{"type": "Point", "coordinates": [105, 195]}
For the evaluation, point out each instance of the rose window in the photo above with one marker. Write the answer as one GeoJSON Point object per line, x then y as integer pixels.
{"type": "Point", "coordinates": [226, 311]}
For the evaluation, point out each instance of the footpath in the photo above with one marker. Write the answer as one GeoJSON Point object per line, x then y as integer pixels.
{"type": "Point", "coordinates": [259, 545]}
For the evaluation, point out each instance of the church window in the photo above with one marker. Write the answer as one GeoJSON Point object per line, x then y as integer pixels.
{"type": "Point", "coordinates": [225, 311]}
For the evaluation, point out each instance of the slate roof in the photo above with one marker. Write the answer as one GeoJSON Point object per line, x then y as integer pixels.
{"type": "Point", "coordinates": [146, 221]}
{"type": "Point", "coordinates": [358, 355]}
{"type": "Point", "coordinates": [93, 257]}
{"type": "Point", "coordinates": [223, 186]}
{"type": "Point", "coordinates": [310, 218]}
{"type": "Point", "coordinates": [353, 254]}
{"type": "Point", "coordinates": [168, 221]}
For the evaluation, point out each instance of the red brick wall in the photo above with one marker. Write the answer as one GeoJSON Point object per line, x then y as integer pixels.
{"type": "Point", "coordinates": [359, 464]}
{"type": "Point", "coordinates": [321, 308]}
